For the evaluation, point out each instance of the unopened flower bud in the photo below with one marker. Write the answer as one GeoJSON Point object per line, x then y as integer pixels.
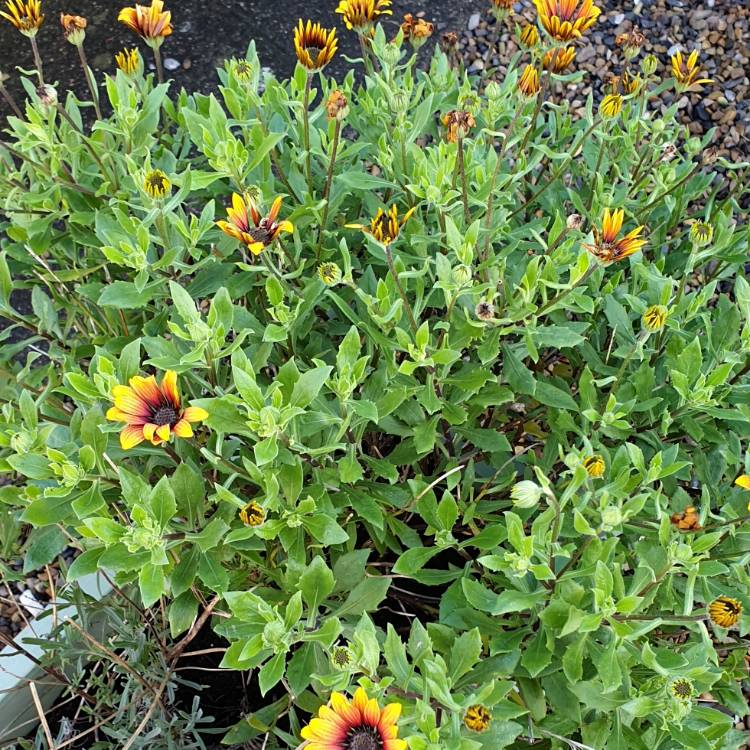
{"type": "Point", "coordinates": [649, 64]}
{"type": "Point", "coordinates": [529, 36]}
{"type": "Point", "coordinates": [655, 318]}
{"type": "Point", "coordinates": [391, 54]}
{"type": "Point", "coordinates": [701, 233]}
{"type": "Point", "coordinates": [462, 275]}
{"type": "Point", "coordinates": [493, 91]}
{"type": "Point", "coordinates": [329, 273]}
{"type": "Point", "coordinates": [526, 494]}
{"type": "Point", "coordinates": [611, 517]}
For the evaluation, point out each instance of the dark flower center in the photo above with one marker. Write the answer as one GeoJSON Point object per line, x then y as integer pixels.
{"type": "Point", "coordinates": [164, 415]}
{"type": "Point", "coordinates": [363, 738]}
{"type": "Point", "coordinates": [263, 232]}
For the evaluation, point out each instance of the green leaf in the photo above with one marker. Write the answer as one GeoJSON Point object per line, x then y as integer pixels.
{"type": "Point", "coordinates": [316, 582]}
{"type": "Point", "coordinates": [42, 547]}
{"type": "Point", "coordinates": [162, 502]}
{"type": "Point", "coordinates": [307, 388]}
{"type": "Point", "coordinates": [465, 653]}
{"type": "Point", "coordinates": [551, 395]}
{"type": "Point", "coordinates": [151, 583]}
{"type": "Point", "coordinates": [182, 613]}
{"type": "Point", "coordinates": [271, 672]}
{"type": "Point", "coordinates": [365, 596]}
{"type": "Point", "coordinates": [519, 377]}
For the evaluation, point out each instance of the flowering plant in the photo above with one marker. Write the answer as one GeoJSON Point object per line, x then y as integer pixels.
{"type": "Point", "coordinates": [434, 390]}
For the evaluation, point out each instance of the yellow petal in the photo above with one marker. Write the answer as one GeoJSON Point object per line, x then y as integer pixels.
{"type": "Point", "coordinates": [743, 481]}
{"type": "Point", "coordinates": [183, 429]}
{"type": "Point", "coordinates": [195, 414]}
{"type": "Point", "coordinates": [169, 387]}
{"type": "Point", "coordinates": [130, 437]}
{"type": "Point", "coordinates": [163, 431]}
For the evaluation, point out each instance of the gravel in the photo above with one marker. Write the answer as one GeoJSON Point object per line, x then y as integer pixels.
{"type": "Point", "coordinates": [720, 29]}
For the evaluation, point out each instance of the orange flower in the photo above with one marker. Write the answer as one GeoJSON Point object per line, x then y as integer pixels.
{"type": "Point", "coordinates": [314, 45]}
{"type": "Point", "coordinates": [262, 232]}
{"type": "Point", "coordinates": [607, 247]}
{"type": "Point", "coordinates": [559, 60]}
{"type": "Point", "coordinates": [152, 23]}
{"type": "Point", "coordinates": [25, 15]}
{"type": "Point", "coordinates": [359, 724]}
{"type": "Point", "coordinates": [152, 412]}
{"type": "Point", "coordinates": [417, 30]}
{"type": "Point", "coordinates": [687, 520]}
{"type": "Point", "coordinates": [685, 72]}
{"type": "Point", "coordinates": [566, 20]}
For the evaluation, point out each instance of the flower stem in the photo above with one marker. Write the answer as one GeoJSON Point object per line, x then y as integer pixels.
{"type": "Point", "coordinates": [402, 294]}
{"type": "Point", "coordinates": [327, 189]}
{"type": "Point", "coordinates": [11, 101]}
{"type": "Point", "coordinates": [493, 182]}
{"type": "Point", "coordinates": [306, 130]}
{"type": "Point", "coordinates": [599, 158]}
{"type": "Point", "coordinates": [90, 80]}
{"type": "Point", "coordinates": [157, 61]}
{"type": "Point", "coordinates": [37, 60]}
{"type": "Point", "coordinates": [464, 186]}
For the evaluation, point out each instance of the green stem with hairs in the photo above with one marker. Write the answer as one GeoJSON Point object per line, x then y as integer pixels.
{"type": "Point", "coordinates": [402, 294]}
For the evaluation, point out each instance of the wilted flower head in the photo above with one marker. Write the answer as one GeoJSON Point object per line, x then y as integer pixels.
{"type": "Point", "coordinates": [359, 724]}
{"type": "Point", "coordinates": [710, 155]}
{"type": "Point", "coordinates": [152, 23]}
{"type": "Point", "coordinates": [501, 8]}
{"type": "Point", "coordinates": [416, 30]}
{"type": "Point", "coordinates": [682, 689]}
{"type": "Point", "coordinates": [477, 718]}
{"type": "Point", "coordinates": [528, 83]}
{"type": "Point", "coordinates": [668, 153]}
{"type": "Point", "coordinates": [361, 15]}
{"type": "Point", "coordinates": [129, 61]}
{"type": "Point", "coordinates": [263, 230]}
{"type": "Point", "coordinates": [385, 226]}
{"type": "Point", "coordinates": [156, 184]}
{"type": "Point", "coordinates": [686, 520]}
{"type": "Point", "coordinates": [655, 318]}
{"type": "Point", "coordinates": [152, 411]}
{"type": "Point", "coordinates": [252, 515]}
{"type": "Point", "coordinates": [337, 106]}
{"type": "Point", "coordinates": [566, 20]}
{"type": "Point", "coordinates": [329, 273]}
{"type": "Point", "coordinates": [559, 60]}
{"type": "Point", "coordinates": [25, 15]}
{"type": "Point", "coordinates": [525, 494]}
{"type": "Point", "coordinates": [594, 466]}
{"type": "Point", "coordinates": [459, 124]}
{"type": "Point", "coordinates": [449, 41]}
{"type": "Point", "coordinates": [74, 28]}
{"type": "Point", "coordinates": [685, 71]}
{"type": "Point", "coordinates": [611, 106]}
{"type": "Point", "coordinates": [47, 97]}
{"type": "Point", "coordinates": [607, 247]}
{"type": "Point", "coordinates": [630, 42]}
{"type": "Point", "coordinates": [725, 611]}
{"type": "Point", "coordinates": [574, 222]}
{"type": "Point", "coordinates": [529, 36]}
{"type": "Point", "coordinates": [701, 233]}
{"type": "Point", "coordinates": [314, 45]}
{"type": "Point", "coordinates": [485, 310]}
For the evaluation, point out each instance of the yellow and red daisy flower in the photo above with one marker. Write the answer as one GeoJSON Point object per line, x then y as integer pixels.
{"type": "Point", "coordinates": [152, 411]}
{"type": "Point", "coordinates": [385, 226]}
{"type": "Point", "coordinates": [152, 23]}
{"type": "Point", "coordinates": [360, 15]}
{"type": "Point", "coordinates": [263, 230]}
{"type": "Point", "coordinates": [566, 20]}
{"type": "Point", "coordinates": [359, 724]}
{"type": "Point", "coordinates": [314, 45]}
{"type": "Point", "coordinates": [607, 247]}
{"type": "Point", "coordinates": [25, 15]}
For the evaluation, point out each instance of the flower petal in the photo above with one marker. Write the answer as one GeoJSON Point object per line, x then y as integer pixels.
{"type": "Point", "coordinates": [194, 414]}
{"type": "Point", "coordinates": [131, 436]}
{"type": "Point", "coordinates": [169, 387]}
{"type": "Point", "coordinates": [183, 429]}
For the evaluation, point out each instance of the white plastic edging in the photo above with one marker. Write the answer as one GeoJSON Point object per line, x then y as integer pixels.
{"type": "Point", "coordinates": [18, 716]}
